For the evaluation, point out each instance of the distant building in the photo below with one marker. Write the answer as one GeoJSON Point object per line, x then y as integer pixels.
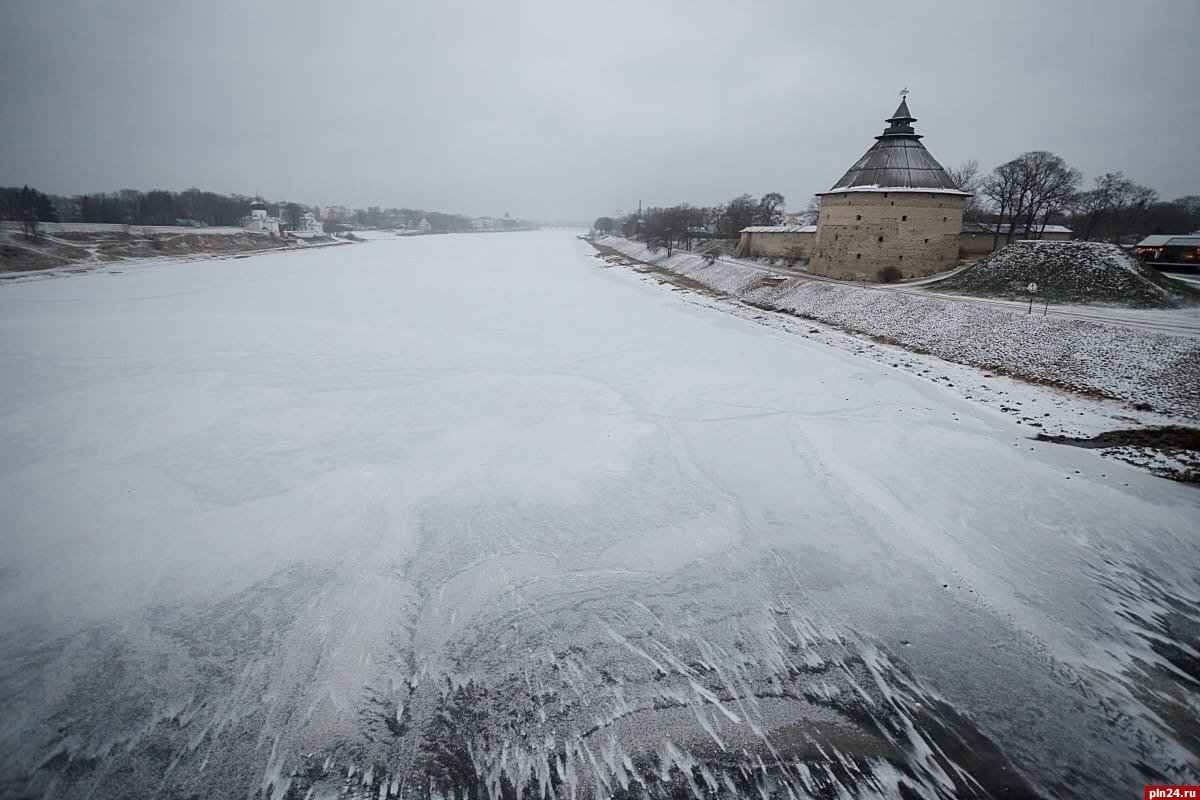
{"type": "Point", "coordinates": [1164, 249]}
{"type": "Point", "coordinates": [980, 238]}
{"type": "Point", "coordinates": [896, 207]}
{"type": "Point", "coordinates": [792, 242]}
{"type": "Point", "coordinates": [259, 221]}
{"type": "Point", "coordinates": [337, 213]}
{"type": "Point", "coordinates": [309, 228]}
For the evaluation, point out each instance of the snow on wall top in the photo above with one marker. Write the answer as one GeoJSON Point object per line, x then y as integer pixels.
{"type": "Point", "coordinates": [874, 188]}
{"type": "Point", "coordinates": [986, 227]}
{"type": "Point", "coordinates": [1169, 240]}
{"type": "Point", "coordinates": [779, 229]}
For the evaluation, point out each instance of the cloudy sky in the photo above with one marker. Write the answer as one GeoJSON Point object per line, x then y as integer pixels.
{"type": "Point", "coordinates": [555, 109]}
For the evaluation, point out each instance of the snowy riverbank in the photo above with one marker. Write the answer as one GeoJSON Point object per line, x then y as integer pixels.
{"type": "Point", "coordinates": [71, 248]}
{"type": "Point", "coordinates": [1142, 369]}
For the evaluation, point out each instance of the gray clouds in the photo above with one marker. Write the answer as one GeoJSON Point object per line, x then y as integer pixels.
{"type": "Point", "coordinates": [570, 110]}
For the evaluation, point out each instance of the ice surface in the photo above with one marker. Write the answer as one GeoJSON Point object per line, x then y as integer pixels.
{"type": "Point", "coordinates": [472, 514]}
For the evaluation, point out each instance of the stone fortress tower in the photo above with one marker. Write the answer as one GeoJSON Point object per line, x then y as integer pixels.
{"type": "Point", "coordinates": [896, 207]}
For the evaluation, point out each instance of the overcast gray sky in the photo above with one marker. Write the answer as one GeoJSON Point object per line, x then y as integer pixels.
{"type": "Point", "coordinates": [569, 110]}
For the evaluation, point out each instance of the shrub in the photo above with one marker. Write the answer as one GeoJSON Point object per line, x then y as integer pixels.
{"type": "Point", "coordinates": [889, 274]}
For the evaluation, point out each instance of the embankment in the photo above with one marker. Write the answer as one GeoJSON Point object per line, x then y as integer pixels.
{"type": "Point", "coordinates": [71, 248]}
{"type": "Point", "coordinates": [1146, 370]}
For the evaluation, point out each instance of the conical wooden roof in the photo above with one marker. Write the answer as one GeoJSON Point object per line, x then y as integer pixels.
{"type": "Point", "coordinates": [897, 161]}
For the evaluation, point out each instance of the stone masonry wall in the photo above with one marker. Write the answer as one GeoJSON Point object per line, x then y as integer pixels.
{"type": "Point", "coordinates": [778, 245]}
{"type": "Point", "coordinates": [980, 244]}
{"type": "Point", "coordinates": [860, 233]}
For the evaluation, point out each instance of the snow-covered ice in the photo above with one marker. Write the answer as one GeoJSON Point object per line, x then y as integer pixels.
{"type": "Point", "coordinates": [473, 514]}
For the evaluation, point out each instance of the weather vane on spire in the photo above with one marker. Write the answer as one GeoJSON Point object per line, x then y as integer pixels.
{"type": "Point", "coordinates": [904, 92]}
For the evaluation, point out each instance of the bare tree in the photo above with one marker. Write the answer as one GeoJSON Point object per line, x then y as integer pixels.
{"type": "Point", "coordinates": [1090, 208]}
{"type": "Point", "coordinates": [967, 178]}
{"type": "Point", "coordinates": [811, 211]}
{"type": "Point", "coordinates": [1003, 189]}
{"type": "Point", "coordinates": [739, 213]}
{"type": "Point", "coordinates": [1114, 208]}
{"type": "Point", "coordinates": [27, 212]}
{"type": "Point", "coordinates": [29, 226]}
{"type": "Point", "coordinates": [667, 227]}
{"type": "Point", "coordinates": [1028, 190]}
{"type": "Point", "coordinates": [770, 208]}
{"type": "Point", "coordinates": [1052, 189]}
{"type": "Point", "coordinates": [1180, 215]}
{"type": "Point", "coordinates": [293, 215]}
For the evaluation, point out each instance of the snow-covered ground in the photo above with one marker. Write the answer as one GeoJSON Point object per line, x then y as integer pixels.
{"type": "Point", "coordinates": [1174, 322]}
{"type": "Point", "coordinates": [475, 513]}
{"type": "Point", "coordinates": [1152, 364]}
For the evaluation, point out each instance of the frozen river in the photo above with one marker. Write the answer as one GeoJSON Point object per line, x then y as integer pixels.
{"type": "Point", "coordinates": [476, 514]}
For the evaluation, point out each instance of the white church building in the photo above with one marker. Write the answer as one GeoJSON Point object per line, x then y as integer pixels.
{"type": "Point", "coordinates": [259, 221]}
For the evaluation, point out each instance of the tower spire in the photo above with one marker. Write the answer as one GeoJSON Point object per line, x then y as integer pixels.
{"type": "Point", "coordinates": [900, 123]}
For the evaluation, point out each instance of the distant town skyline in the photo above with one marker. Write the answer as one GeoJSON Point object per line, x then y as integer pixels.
{"type": "Point", "coordinates": [569, 111]}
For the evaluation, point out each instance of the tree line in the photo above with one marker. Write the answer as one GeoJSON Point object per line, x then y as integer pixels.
{"type": "Point", "coordinates": [28, 207]}
{"type": "Point", "coordinates": [677, 225]}
{"type": "Point", "coordinates": [132, 207]}
{"type": "Point", "coordinates": [376, 217]}
{"type": "Point", "coordinates": [1021, 197]}
{"type": "Point", "coordinates": [194, 207]}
